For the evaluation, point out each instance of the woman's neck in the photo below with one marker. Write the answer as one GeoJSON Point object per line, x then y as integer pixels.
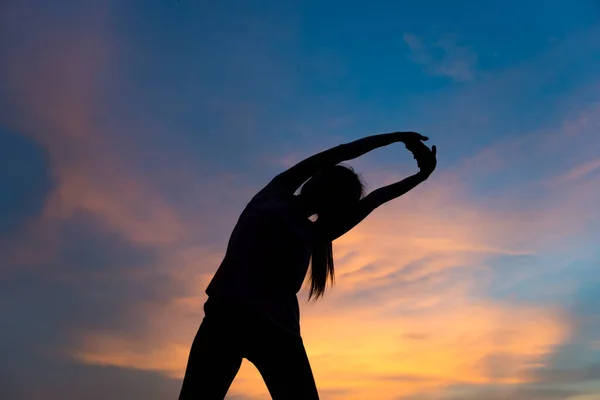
{"type": "Point", "coordinates": [305, 207]}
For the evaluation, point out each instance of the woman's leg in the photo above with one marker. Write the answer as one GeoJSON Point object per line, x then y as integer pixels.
{"type": "Point", "coordinates": [282, 362]}
{"type": "Point", "coordinates": [214, 361]}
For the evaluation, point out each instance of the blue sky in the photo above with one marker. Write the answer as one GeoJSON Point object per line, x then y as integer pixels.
{"type": "Point", "coordinates": [133, 133]}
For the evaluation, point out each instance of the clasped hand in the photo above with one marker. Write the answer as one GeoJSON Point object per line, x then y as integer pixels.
{"type": "Point", "coordinates": [426, 157]}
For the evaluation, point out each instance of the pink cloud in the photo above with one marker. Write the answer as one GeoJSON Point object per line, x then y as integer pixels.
{"type": "Point", "coordinates": [57, 90]}
{"type": "Point", "coordinates": [578, 172]}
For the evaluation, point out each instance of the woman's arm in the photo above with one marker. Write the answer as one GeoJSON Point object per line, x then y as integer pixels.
{"type": "Point", "coordinates": [289, 181]}
{"type": "Point", "coordinates": [427, 162]}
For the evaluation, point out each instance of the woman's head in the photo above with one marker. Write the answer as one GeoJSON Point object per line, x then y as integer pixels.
{"type": "Point", "coordinates": [332, 190]}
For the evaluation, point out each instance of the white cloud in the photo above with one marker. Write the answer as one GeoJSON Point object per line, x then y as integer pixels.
{"type": "Point", "coordinates": [444, 57]}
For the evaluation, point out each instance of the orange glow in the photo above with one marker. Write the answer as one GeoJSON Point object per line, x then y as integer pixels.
{"type": "Point", "coordinates": [414, 339]}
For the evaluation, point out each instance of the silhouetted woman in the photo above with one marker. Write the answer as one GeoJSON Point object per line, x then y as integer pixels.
{"type": "Point", "coordinates": [252, 309]}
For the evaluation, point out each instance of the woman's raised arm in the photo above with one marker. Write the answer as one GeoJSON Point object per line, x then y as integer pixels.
{"type": "Point", "coordinates": [427, 162]}
{"type": "Point", "coordinates": [290, 180]}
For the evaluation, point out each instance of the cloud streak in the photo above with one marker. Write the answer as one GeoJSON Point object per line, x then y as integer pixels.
{"type": "Point", "coordinates": [457, 61]}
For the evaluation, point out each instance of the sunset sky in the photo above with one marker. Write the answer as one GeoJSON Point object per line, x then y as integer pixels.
{"type": "Point", "coordinates": [133, 133]}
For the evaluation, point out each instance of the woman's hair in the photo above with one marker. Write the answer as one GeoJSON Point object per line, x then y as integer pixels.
{"type": "Point", "coordinates": [343, 187]}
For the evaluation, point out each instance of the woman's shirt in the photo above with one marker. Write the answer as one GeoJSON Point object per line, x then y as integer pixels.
{"type": "Point", "coordinates": [267, 259]}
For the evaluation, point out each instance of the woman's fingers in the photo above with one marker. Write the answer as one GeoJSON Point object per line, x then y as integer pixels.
{"type": "Point", "coordinates": [418, 147]}
{"type": "Point", "coordinates": [423, 152]}
{"type": "Point", "coordinates": [414, 136]}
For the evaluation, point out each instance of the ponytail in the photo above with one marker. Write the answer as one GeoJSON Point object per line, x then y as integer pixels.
{"type": "Point", "coordinates": [321, 267]}
{"type": "Point", "coordinates": [347, 185]}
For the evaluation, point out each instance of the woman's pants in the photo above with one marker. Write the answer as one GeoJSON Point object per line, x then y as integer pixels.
{"type": "Point", "coordinates": [226, 335]}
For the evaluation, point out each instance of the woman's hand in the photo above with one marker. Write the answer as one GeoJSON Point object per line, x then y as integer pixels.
{"type": "Point", "coordinates": [426, 158]}
{"type": "Point", "coordinates": [409, 137]}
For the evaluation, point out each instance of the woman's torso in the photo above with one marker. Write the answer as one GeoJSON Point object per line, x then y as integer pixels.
{"type": "Point", "coordinates": [266, 261]}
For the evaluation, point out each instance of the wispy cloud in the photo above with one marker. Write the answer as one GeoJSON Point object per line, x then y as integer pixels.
{"type": "Point", "coordinates": [578, 172]}
{"type": "Point", "coordinates": [443, 57]}
{"type": "Point", "coordinates": [56, 91]}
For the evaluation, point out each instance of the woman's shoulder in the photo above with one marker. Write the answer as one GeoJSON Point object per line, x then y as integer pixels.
{"type": "Point", "coordinates": [270, 201]}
